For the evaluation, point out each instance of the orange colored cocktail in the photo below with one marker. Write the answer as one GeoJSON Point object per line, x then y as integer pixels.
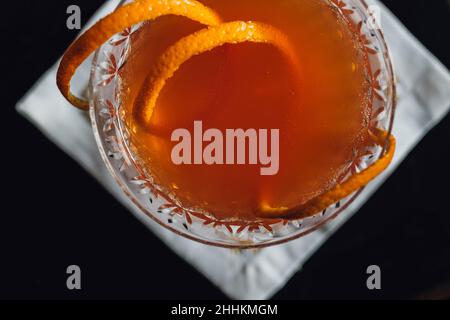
{"type": "Point", "coordinates": [242, 111]}
{"type": "Point", "coordinates": [322, 113]}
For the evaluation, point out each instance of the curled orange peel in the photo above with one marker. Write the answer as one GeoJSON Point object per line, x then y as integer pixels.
{"type": "Point", "coordinates": [215, 35]}
{"type": "Point", "coordinates": [119, 20]}
{"type": "Point", "coordinates": [200, 42]}
{"type": "Point", "coordinates": [340, 191]}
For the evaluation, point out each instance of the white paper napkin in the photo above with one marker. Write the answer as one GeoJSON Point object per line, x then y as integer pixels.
{"type": "Point", "coordinates": [424, 99]}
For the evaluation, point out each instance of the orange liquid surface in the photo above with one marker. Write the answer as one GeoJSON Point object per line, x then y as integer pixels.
{"type": "Point", "coordinates": [323, 119]}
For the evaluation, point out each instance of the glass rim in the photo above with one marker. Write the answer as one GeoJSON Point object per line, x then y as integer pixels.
{"type": "Point", "coordinates": [390, 104]}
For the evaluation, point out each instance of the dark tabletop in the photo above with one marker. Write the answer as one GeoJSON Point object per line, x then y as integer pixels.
{"type": "Point", "coordinates": [53, 214]}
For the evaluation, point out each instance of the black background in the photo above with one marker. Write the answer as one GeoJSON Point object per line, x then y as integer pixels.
{"type": "Point", "coordinates": [54, 214]}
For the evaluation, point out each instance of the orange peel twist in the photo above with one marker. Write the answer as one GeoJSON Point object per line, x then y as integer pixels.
{"type": "Point", "coordinates": [340, 191]}
{"type": "Point", "coordinates": [215, 35]}
{"type": "Point", "coordinates": [124, 17]}
{"type": "Point", "coordinates": [200, 42]}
